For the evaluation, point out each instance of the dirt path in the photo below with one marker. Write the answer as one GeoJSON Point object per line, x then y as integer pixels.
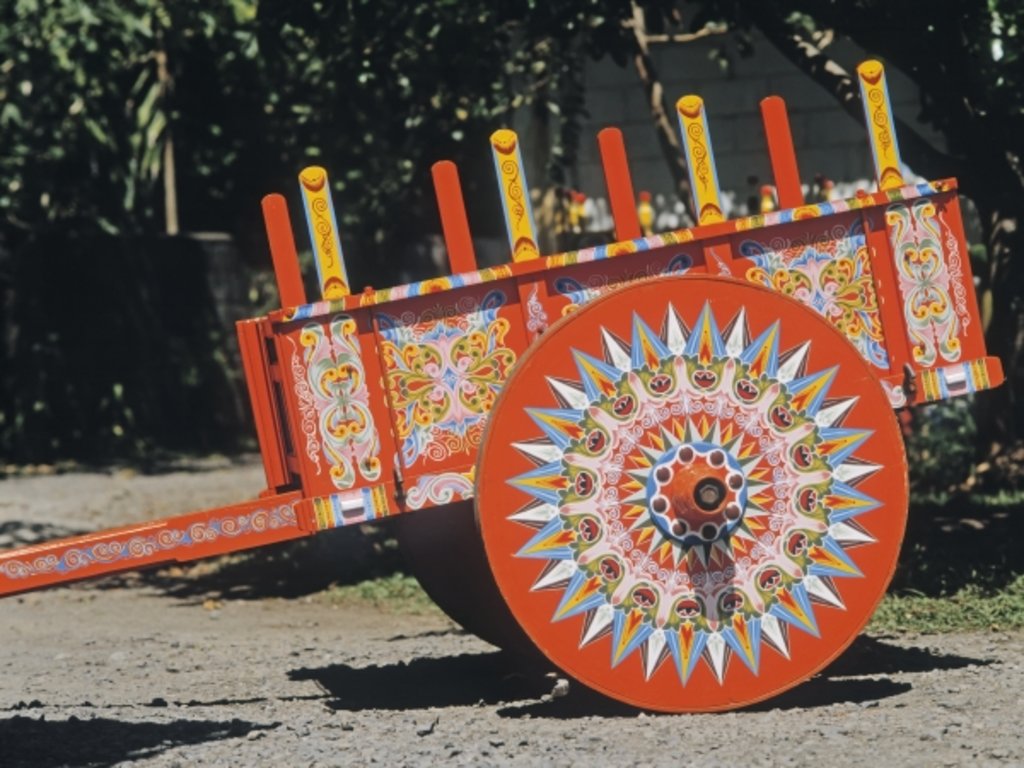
{"type": "Point", "coordinates": [134, 671]}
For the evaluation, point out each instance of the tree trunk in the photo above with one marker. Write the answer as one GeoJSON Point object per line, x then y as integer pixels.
{"type": "Point", "coordinates": [668, 137]}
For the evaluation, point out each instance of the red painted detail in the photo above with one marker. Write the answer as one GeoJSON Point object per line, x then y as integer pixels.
{"type": "Point", "coordinates": [887, 292]}
{"type": "Point", "coordinates": [780, 152]}
{"type": "Point", "coordinates": [620, 185]}
{"type": "Point", "coordinates": [971, 335]}
{"type": "Point", "coordinates": [252, 342]}
{"type": "Point", "coordinates": [452, 207]}
{"type": "Point", "coordinates": [282, 251]}
{"type": "Point", "coordinates": [178, 539]}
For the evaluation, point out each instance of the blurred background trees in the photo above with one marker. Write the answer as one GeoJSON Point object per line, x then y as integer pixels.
{"type": "Point", "coordinates": [124, 124]}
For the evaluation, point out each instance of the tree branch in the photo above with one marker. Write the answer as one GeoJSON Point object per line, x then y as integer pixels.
{"type": "Point", "coordinates": [668, 139]}
{"type": "Point", "coordinates": [809, 58]}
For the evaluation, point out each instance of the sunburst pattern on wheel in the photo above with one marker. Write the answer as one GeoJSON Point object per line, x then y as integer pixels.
{"type": "Point", "coordinates": [693, 493]}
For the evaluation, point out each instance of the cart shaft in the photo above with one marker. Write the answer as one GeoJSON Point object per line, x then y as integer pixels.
{"type": "Point", "coordinates": [179, 539]}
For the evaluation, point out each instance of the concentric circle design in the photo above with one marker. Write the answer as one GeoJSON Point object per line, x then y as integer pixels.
{"type": "Point", "coordinates": [696, 493]}
{"type": "Point", "coordinates": [697, 516]}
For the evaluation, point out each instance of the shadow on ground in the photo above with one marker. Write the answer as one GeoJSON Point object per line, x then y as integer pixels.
{"type": "Point", "coordinates": [38, 743]}
{"type": "Point", "coordinates": [287, 570]}
{"type": "Point", "coordinates": [17, 533]}
{"type": "Point", "coordinates": [858, 676]}
{"type": "Point", "coordinates": [874, 656]}
{"type": "Point", "coordinates": [448, 681]}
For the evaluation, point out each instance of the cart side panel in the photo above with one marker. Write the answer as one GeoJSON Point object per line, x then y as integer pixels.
{"type": "Point", "coordinates": [825, 263]}
{"type": "Point", "coordinates": [445, 357]}
{"type": "Point", "coordinates": [558, 292]}
{"type": "Point", "coordinates": [933, 274]}
{"type": "Point", "coordinates": [333, 395]}
{"type": "Point", "coordinates": [934, 286]}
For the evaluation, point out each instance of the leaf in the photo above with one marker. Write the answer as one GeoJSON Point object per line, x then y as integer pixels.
{"type": "Point", "coordinates": [144, 113]}
{"type": "Point", "coordinates": [155, 129]}
{"type": "Point", "coordinates": [97, 132]}
{"type": "Point", "coordinates": [10, 115]}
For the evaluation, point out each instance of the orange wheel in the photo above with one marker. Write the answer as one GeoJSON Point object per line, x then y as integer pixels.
{"type": "Point", "coordinates": [692, 494]}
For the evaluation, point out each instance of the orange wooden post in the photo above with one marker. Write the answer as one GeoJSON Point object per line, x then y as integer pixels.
{"type": "Point", "coordinates": [620, 186]}
{"type": "Point", "coordinates": [452, 207]}
{"type": "Point", "coordinates": [780, 151]}
{"type": "Point", "coordinates": [282, 251]}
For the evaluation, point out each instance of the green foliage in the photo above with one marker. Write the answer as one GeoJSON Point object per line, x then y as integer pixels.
{"type": "Point", "coordinates": [941, 446]}
{"type": "Point", "coordinates": [377, 92]}
{"type": "Point", "coordinates": [397, 593]}
{"type": "Point", "coordinates": [958, 540]}
{"type": "Point", "coordinates": [92, 90]}
{"type": "Point", "coordinates": [971, 608]}
{"type": "Point", "coordinates": [85, 112]}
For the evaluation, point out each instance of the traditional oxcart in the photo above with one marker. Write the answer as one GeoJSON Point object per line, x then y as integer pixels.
{"type": "Point", "coordinates": [680, 450]}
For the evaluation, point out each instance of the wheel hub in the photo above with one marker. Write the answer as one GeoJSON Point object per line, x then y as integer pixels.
{"type": "Point", "coordinates": [697, 493]}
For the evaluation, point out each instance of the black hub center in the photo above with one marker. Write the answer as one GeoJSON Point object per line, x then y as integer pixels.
{"type": "Point", "coordinates": [709, 493]}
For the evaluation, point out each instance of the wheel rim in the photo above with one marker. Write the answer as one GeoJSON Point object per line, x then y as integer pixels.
{"type": "Point", "coordinates": [692, 510]}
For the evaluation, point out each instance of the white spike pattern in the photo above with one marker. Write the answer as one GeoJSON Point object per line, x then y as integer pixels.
{"type": "Point", "coordinates": [818, 588]}
{"type": "Point", "coordinates": [619, 356]}
{"type": "Point", "coordinates": [544, 452]}
{"type": "Point", "coordinates": [655, 652]}
{"type": "Point", "coordinates": [716, 650]}
{"type": "Point", "coordinates": [600, 622]}
{"type": "Point", "coordinates": [575, 397]}
{"type": "Point", "coordinates": [832, 415]}
{"type": "Point", "coordinates": [847, 534]}
{"type": "Point", "coordinates": [735, 343]}
{"type": "Point", "coordinates": [535, 516]}
{"type": "Point", "coordinates": [676, 336]}
{"type": "Point", "coordinates": [772, 629]}
{"type": "Point", "coordinates": [560, 574]}
{"type": "Point", "coordinates": [789, 369]}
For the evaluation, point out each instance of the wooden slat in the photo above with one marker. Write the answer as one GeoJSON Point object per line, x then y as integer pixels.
{"type": "Point", "coordinates": [781, 153]}
{"type": "Point", "coordinates": [621, 197]}
{"type": "Point", "coordinates": [282, 251]}
{"type": "Point", "coordinates": [454, 224]}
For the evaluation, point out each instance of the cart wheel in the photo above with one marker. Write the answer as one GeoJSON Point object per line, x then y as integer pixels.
{"type": "Point", "coordinates": [442, 549]}
{"type": "Point", "coordinates": [692, 493]}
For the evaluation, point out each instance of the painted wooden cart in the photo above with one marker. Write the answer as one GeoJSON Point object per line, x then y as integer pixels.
{"type": "Point", "coordinates": [678, 452]}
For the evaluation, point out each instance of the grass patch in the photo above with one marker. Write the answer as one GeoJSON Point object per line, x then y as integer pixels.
{"type": "Point", "coordinates": [970, 608]}
{"type": "Point", "coordinates": [397, 593]}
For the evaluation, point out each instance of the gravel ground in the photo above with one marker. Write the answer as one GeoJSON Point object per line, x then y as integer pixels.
{"type": "Point", "coordinates": [135, 670]}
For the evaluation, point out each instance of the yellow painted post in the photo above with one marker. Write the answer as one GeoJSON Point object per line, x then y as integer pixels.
{"type": "Point", "coordinates": [515, 196]}
{"type": "Point", "coordinates": [700, 160]}
{"type": "Point", "coordinates": [885, 151]}
{"type": "Point", "coordinates": [323, 232]}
